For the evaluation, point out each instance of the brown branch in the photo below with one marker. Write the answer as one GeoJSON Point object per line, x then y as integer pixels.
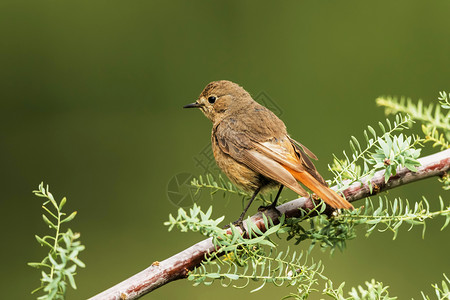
{"type": "Point", "coordinates": [178, 266]}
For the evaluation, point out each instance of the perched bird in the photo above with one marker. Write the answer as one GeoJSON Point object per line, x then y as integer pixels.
{"type": "Point", "coordinates": [252, 147]}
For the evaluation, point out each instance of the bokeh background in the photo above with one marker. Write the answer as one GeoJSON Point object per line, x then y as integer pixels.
{"type": "Point", "coordinates": [90, 103]}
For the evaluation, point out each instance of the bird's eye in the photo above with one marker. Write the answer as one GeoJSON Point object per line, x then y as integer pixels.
{"type": "Point", "coordinates": [212, 99]}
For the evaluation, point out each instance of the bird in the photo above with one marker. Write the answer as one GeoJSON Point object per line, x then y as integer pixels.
{"type": "Point", "coordinates": [252, 147]}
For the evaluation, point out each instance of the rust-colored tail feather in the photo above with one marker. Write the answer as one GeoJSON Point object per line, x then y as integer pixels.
{"type": "Point", "coordinates": [324, 192]}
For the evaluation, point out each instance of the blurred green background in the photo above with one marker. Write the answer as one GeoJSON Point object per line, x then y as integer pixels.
{"type": "Point", "coordinates": [91, 95]}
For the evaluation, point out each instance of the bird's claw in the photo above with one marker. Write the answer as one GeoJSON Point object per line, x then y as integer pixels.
{"type": "Point", "coordinates": [267, 208]}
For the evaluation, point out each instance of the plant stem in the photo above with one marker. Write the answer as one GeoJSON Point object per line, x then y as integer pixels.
{"type": "Point", "coordinates": [55, 245]}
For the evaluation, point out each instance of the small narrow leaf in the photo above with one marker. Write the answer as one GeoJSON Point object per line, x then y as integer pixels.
{"type": "Point", "coordinates": [48, 222]}
{"type": "Point", "coordinates": [70, 217]}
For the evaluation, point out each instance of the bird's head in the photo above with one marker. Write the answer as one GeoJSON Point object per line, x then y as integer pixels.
{"type": "Point", "coordinates": [220, 98]}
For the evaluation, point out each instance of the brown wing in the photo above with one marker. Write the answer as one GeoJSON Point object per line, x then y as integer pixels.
{"type": "Point", "coordinates": [239, 146]}
{"type": "Point", "coordinates": [306, 162]}
{"type": "Point", "coordinates": [302, 148]}
{"type": "Point", "coordinates": [298, 164]}
{"type": "Point", "coordinates": [275, 158]}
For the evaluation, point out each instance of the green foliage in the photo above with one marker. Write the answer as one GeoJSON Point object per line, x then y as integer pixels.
{"type": "Point", "coordinates": [61, 262]}
{"type": "Point", "coordinates": [217, 184]}
{"type": "Point", "coordinates": [430, 115]}
{"type": "Point", "coordinates": [264, 266]}
{"type": "Point", "coordinates": [242, 260]}
{"type": "Point", "coordinates": [374, 291]}
{"type": "Point", "coordinates": [393, 153]}
{"type": "Point", "coordinates": [329, 233]}
{"type": "Point", "coordinates": [334, 232]}
{"type": "Point", "coordinates": [445, 181]}
{"type": "Point", "coordinates": [444, 99]}
{"type": "Point", "coordinates": [435, 124]}
{"type": "Point", "coordinates": [443, 292]}
{"type": "Point", "coordinates": [434, 136]}
{"type": "Point", "coordinates": [381, 152]}
{"type": "Point", "coordinates": [256, 258]}
{"type": "Point", "coordinates": [391, 214]}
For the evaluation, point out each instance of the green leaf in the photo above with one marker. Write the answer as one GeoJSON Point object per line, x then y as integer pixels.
{"type": "Point", "coordinates": [447, 221]}
{"type": "Point", "coordinates": [191, 277]}
{"type": "Point", "coordinates": [52, 200]}
{"type": "Point", "coordinates": [43, 241]}
{"type": "Point", "coordinates": [372, 131]}
{"type": "Point", "coordinates": [79, 262]}
{"type": "Point", "coordinates": [411, 167]}
{"type": "Point", "coordinates": [62, 203]}
{"type": "Point", "coordinates": [48, 222]}
{"type": "Point", "coordinates": [232, 276]}
{"type": "Point", "coordinates": [70, 217]}
{"type": "Point", "coordinates": [71, 280]}
{"type": "Point", "coordinates": [38, 265]}
{"type": "Point", "coordinates": [387, 174]}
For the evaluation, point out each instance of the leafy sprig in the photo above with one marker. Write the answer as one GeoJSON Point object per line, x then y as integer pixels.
{"type": "Point", "coordinates": [245, 259]}
{"type": "Point", "coordinates": [435, 123]}
{"type": "Point", "coordinates": [444, 99]}
{"type": "Point", "coordinates": [216, 185]}
{"type": "Point", "coordinates": [445, 181]}
{"type": "Point", "coordinates": [256, 258]}
{"type": "Point", "coordinates": [219, 185]}
{"type": "Point", "coordinates": [381, 152]}
{"type": "Point", "coordinates": [430, 114]}
{"type": "Point", "coordinates": [289, 268]}
{"type": "Point", "coordinates": [393, 153]}
{"type": "Point", "coordinates": [61, 262]}
{"type": "Point", "coordinates": [435, 137]}
{"type": "Point", "coordinates": [389, 215]}
{"type": "Point", "coordinates": [442, 292]}
{"type": "Point", "coordinates": [374, 290]}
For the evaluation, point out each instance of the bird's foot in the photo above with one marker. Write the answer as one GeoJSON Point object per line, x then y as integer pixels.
{"type": "Point", "coordinates": [273, 205]}
{"type": "Point", "coordinates": [265, 209]}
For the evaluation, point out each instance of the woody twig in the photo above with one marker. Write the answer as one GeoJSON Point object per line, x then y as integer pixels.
{"type": "Point", "coordinates": [178, 266]}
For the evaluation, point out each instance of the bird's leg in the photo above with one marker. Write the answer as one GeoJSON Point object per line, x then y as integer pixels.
{"type": "Point", "coordinates": [273, 205]}
{"type": "Point", "coordinates": [248, 205]}
{"type": "Point", "coordinates": [241, 218]}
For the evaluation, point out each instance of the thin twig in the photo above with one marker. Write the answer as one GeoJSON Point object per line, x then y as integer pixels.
{"type": "Point", "coordinates": [178, 266]}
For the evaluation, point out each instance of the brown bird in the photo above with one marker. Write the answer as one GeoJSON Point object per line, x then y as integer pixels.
{"type": "Point", "coordinates": [252, 147]}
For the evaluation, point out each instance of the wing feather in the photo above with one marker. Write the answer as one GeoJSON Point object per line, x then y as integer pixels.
{"type": "Point", "coordinates": [279, 158]}
{"type": "Point", "coordinates": [272, 169]}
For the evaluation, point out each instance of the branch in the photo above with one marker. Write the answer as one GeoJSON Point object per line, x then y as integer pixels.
{"type": "Point", "coordinates": [178, 266]}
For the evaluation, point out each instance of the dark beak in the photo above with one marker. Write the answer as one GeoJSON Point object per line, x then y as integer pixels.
{"type": "Point", "coordinates": [192, 105]}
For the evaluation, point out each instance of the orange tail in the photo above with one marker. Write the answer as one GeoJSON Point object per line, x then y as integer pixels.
{"type": "Point", "coordinates": [324, 192]}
